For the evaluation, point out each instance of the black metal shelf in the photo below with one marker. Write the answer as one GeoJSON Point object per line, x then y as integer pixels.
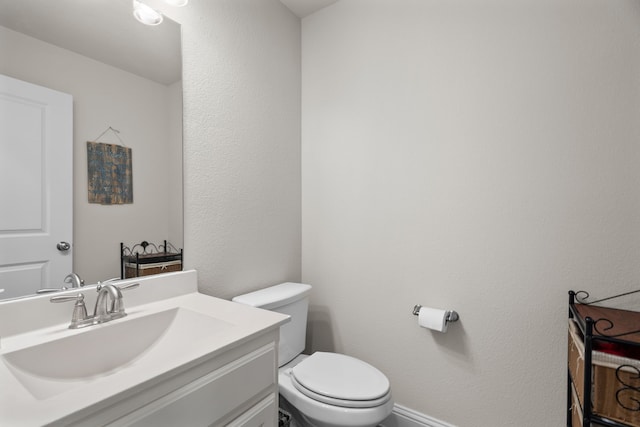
{"type": "Point", "coordinates": [134, 260]}
{"type": "Point", "coordinates": [596, 331]}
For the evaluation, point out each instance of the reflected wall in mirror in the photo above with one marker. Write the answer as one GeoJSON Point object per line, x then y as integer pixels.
{"type": "Point", "coordinates": [121, 74]}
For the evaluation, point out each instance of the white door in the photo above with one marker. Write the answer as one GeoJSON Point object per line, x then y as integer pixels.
{"type": "Point", "coordinates": [36, 200]}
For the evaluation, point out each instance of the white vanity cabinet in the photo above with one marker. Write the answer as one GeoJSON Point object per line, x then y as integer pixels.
{"type": "Point", "coordinates": [261, 414]}
{"type": "Point", "coordinates": [179, 358]}
{"type": "Point", "coordinates": [236, 388]}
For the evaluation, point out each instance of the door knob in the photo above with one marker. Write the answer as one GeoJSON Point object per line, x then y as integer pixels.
{"type": "Point", "coordinates": [63, 246]}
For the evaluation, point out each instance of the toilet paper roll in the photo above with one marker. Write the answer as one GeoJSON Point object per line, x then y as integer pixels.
{"type": "Point", "coordinates": [433, 318]}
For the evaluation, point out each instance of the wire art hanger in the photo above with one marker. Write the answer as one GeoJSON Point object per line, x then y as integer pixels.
{"type": "Point", "coordinates": [116, 132]}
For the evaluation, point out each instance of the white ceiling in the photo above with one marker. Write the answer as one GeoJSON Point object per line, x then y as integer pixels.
{"type": "Point", "coordinates": [104, 30]}
{"type": "Point", "coordinates": [303, 8]}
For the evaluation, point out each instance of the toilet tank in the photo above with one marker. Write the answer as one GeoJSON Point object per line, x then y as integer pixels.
{"type": "Point", "coordinates": [286, 298]}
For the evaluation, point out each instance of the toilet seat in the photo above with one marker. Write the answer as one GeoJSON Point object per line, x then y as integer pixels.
{"type": "Point", "coordinates": [340, 380]}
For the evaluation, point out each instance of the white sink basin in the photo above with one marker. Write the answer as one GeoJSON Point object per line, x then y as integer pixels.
{"type": "Point", "coordinates": [54, 367]}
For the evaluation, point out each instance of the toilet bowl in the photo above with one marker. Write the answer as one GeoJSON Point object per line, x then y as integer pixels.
{"type": "Point", "coordinates": [324, 389]}
{"type": "Point", "coordinates": [340, 407]}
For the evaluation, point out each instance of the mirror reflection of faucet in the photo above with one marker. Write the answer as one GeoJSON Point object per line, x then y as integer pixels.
{"type": "Point", "coordinates": [72, 278]}
{"type": "Point", "coordinates": [113, 279]}
{"type": "Point", "coordinates": [109, 305]}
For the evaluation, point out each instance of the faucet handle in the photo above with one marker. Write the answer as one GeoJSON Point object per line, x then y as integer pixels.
{"type": "Point", "coordinates": [50, 290]}
{"type": "Point", "coordinates": [67, 298]}
{"type": "Point", "coordinates": [79, 309]}
{"type": "Point", "coordinates": [127, 287]}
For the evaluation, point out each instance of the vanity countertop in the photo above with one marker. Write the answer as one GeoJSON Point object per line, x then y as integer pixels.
{"type": "Point", "coordinates": [191, 328]}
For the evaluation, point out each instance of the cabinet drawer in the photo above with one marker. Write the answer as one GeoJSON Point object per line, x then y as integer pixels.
{"type": "Point", "coordinates": [263, 414]}
{"type": "Point", "coordinates": [212, 396]}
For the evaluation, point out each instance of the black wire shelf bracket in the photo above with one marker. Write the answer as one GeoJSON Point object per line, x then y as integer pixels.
{"type": "Point", "coordinates": [603, 325]}
{"type": "Point", "coordinates": [146, 248]}
{"type": "Point", "coordinates": [629, 395]}
{"type": "Point", "coordinates": [583, 296]}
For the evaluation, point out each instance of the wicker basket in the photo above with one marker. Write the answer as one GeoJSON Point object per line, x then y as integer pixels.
{"type": "Point", "coordinates": [576, 409]}
{"type": "Point", "coordinates": [609, 379]}
{"type": "Point", "coordinates": [148, 269]}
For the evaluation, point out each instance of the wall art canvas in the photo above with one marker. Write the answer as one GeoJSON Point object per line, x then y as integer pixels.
{"type": "Point", "coordinates": [110, 174]}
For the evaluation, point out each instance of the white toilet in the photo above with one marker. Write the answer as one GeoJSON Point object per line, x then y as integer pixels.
{"type": "Point", "coordinates": [326, 389]}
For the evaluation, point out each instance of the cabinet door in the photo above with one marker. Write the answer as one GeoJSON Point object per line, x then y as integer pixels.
{"type": "Point", "coordinates": [208, 399]}
{"type": "Point", "coordinates": [263, 414]}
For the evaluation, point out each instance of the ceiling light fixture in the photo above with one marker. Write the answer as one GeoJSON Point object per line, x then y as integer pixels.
{"type": "Point", "coordinates": [146, 14]}
{"type": "Point", "coordinates": [149, 16]}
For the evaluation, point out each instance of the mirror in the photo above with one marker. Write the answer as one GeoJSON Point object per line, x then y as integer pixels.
{"type": "Point", "coordinates": [125, 80]}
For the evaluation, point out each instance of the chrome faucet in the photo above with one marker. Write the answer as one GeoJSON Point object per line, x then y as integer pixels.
{"type": "Point", "coordinates": [109, 305]}
{"type": "Point", "coordinates": [105, 309]}
{"type": "Point", "coordinates": [74, 280]}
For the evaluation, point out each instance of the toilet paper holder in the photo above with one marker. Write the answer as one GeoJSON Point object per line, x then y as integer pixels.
{"type": "Point", "coordinates": [451, 315]}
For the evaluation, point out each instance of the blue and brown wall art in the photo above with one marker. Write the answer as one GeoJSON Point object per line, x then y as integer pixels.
{"type": "Point", "coordinates": [110, 174]}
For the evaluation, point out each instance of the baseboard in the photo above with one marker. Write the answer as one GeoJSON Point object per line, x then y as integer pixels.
{"type": "Point", "coordinates": [405, 417]}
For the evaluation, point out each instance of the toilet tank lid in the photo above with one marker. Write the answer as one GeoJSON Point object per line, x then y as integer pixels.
{"type": "Point", "coordinates": [274, 296]}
